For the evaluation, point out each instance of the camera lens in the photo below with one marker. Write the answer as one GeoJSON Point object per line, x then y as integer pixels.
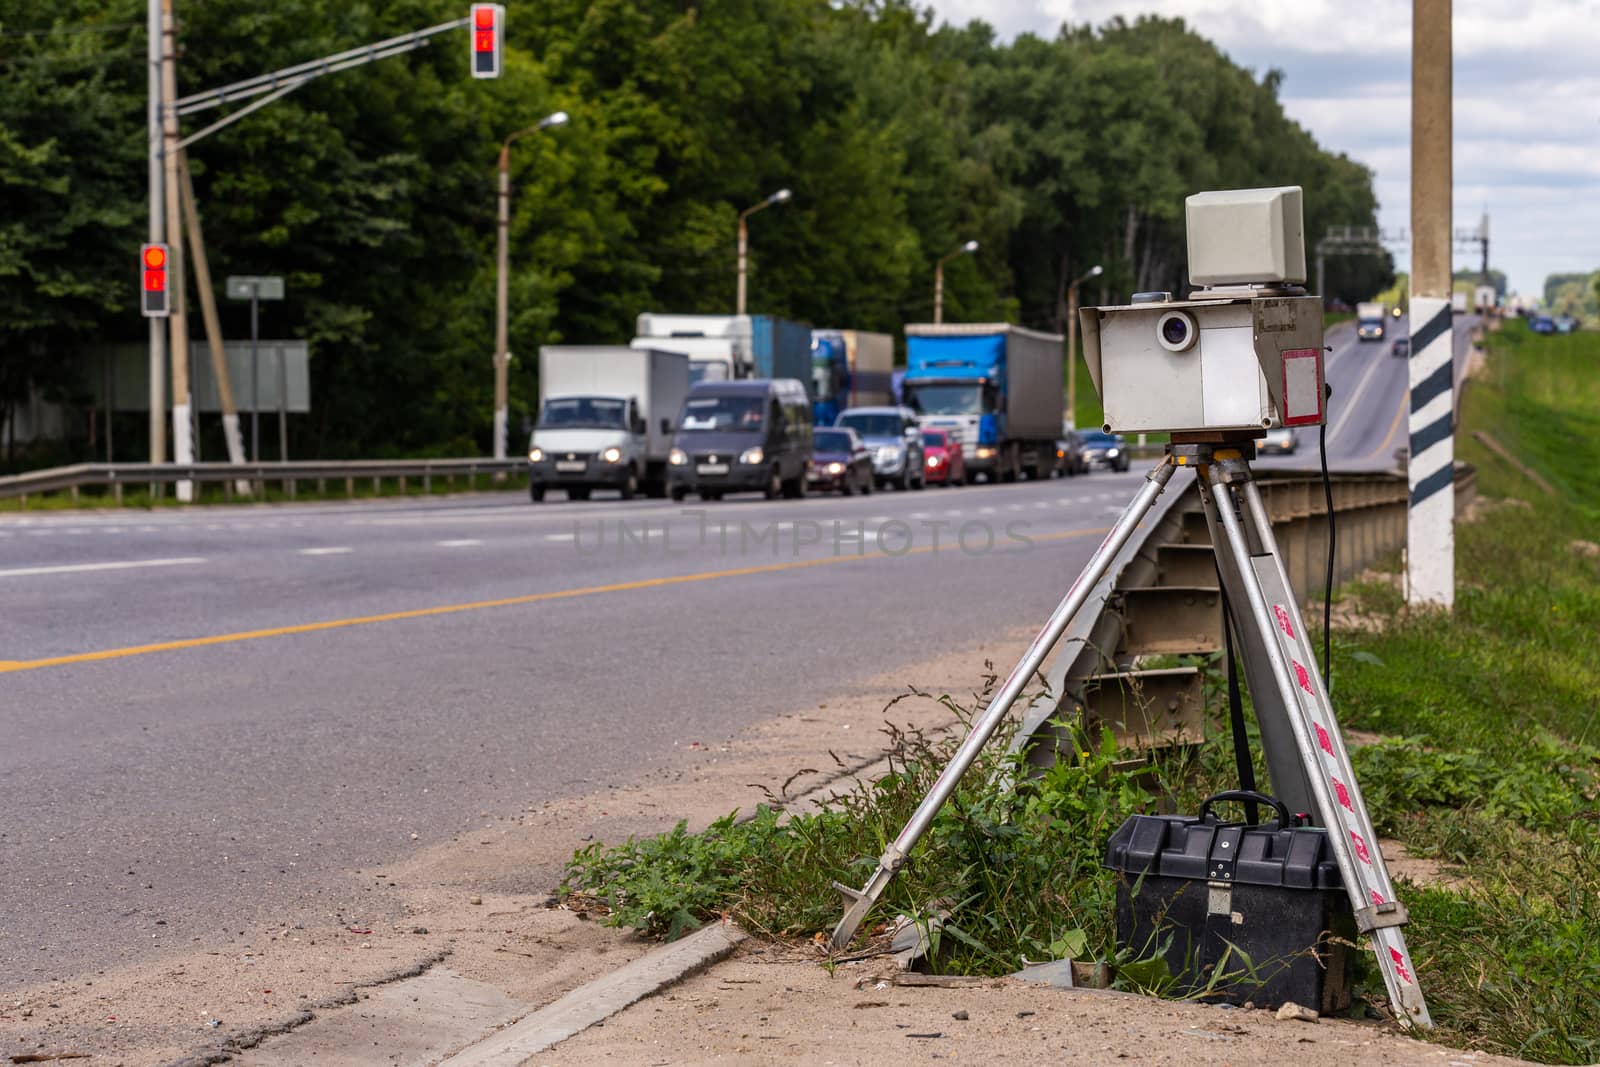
{"type": "Point", "coordinates": [1175, 330]}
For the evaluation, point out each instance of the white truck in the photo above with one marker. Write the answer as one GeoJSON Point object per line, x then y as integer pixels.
{"type": "Point", "coordinates": [726, 347]}
{"type": "Point", "coordinates": [606, 419]}
{"type": "Point", "coordinates": [1370, 321]}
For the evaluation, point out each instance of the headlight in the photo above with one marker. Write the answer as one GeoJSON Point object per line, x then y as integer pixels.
{"type": "Point", "coordinates": [612, 455]}
{"type": "Point", "coordinates": [985, 453]}
{"type": "Point", "coordinates": [535, 455]}
{"type": "Point", "coordinates": [677, 457]}
{"type": "Point", "coordinates": [752, 456]}
{"type": "Point", "coordinates": [934, 461]}
{"type": "Point", "coordinates": [1111, 452]}
{"type": "Point", "coordinates": [836, 468]}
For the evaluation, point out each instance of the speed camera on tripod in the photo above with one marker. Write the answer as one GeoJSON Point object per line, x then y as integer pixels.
{"type": "Point", "coordinates": [1243, 353]}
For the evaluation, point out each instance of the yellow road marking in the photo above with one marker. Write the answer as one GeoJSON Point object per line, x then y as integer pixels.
{"type": "Point", "coordinates": [9, 666]}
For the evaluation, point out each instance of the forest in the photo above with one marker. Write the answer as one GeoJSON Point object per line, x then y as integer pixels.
{"type": "Point", "coordinates": [373, 191]}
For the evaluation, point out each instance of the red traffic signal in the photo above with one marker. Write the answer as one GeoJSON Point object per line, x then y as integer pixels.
{"type": "Point", "coordinates": [153, 268]}
{"type": "Point", "coordinates": [488, 26]}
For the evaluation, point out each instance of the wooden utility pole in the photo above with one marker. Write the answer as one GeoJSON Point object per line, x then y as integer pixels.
{"type": "Point", "coordinates": [1430, 529]}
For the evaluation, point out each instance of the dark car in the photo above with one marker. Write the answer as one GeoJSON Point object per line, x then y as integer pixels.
{"type": "Point", "coordinates": [750, 435]}
{"type": "Point", "coordinates": [1101, 449]}
{"type": "Point", "coordinates": [840, 460]}
{"type": "Point", "coordinates": [944, 462]}
{"type": "Point", "coordinates": [1543, 324]}
{"type": "Point", "coordinates": [1069, 455]}
{"type": "Point", "coordinates": [1401, 347]}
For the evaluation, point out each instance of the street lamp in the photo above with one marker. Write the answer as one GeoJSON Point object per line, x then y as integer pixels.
{"type": "Point", "coordinates": [1072, 340]}
{"type": "Point", "coordinates": [782, 196]}
{"type": "Point", "coordinates": [502, 358]}
{"type": "Point", "coordinates": [938, 279]}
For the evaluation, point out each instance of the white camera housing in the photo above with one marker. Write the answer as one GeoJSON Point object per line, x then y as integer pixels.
{"type": "Point", "coordinates": [1244, 236]}
{"type": "Point", "coordinates": [1250, 363]}
{"type": "Point", "coordinates": [1245, 356]}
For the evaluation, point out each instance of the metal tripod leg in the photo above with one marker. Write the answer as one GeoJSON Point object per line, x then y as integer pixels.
{"type": "Point", "coordinates": [1280, 633]}
{"type": "Point", "coordinates": [894, 857]}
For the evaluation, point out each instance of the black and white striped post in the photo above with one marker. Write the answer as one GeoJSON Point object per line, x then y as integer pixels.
{"type": "Point", "coordinates": [1430, 529]}
{"type": "Point", "coordinates": [1430, 526]}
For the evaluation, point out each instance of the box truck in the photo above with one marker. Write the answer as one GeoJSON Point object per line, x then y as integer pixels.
{"type": "Point", "coordinates": [1370, 321]}
{"type": "Point", "coordinates": [606, 419]}
{"type": "Point", "coordinates": [996, 385]}
{"type": "Point", "coordinates": [849, 369]}
{"type": "Point", "coordinates": [725, 347]}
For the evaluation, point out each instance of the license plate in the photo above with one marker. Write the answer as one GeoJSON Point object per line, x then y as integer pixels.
{"type": "Point", "coordinates": [711, 468]}
{"type": "Point", "coordinates": [570, 465]}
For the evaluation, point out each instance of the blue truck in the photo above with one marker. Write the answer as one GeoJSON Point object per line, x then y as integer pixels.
{"type": "Point", "coordinates": [726, 347]}
{"type": "Point", "coordinates": [849, 369]}
{"type": "Point", "coordinates": [998, 386]}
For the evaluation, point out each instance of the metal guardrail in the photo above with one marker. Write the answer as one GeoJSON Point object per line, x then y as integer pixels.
{"type": "Point", "coordinates": [240, 477]}
{"type": "Point", "coordinates": [1164, 579]}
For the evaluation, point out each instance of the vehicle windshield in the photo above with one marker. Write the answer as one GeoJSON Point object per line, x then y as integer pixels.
{"type": "Point", "coordinates": [583, 412]}
{"type": "Point", "coordinates": [1097, 439]}
{"type": "Point", "coordinates": [934, 439]}
{"type": "Point", "coordinates": [727, 414]}
{"type": "Point", "coordinates": [947, 398]}
{"type": "Point", "coordinates": [872, 425]}
{"type": "Point", "coordinates": [830, 441]}
{"type": "Point", "coordinates": [707, 371]}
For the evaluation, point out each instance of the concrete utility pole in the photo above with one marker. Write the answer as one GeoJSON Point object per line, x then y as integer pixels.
{"type": "Point", "coordinates": [780, 197]}
{"type": "Point", "coordinates": [502, 353]}
{"type": "Point", "coordinates": [1430, 529]}
{"type": "Point", "coordinates": [177, 327]}
{"type": "Point", "coordinates": [158, 336]}
{"type": "Point", "coordinates": [938, 278]}
{"type": "Point", "coordinates": [1072, 341]}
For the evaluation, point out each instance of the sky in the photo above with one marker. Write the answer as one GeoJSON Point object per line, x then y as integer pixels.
{"type": "Point", "coordinates": [1526, 104]}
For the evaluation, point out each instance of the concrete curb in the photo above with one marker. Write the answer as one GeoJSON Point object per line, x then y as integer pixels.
{"type": "Point", "coordinates": [599, 999]}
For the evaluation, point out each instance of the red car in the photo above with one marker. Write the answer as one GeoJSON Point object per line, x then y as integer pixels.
{"type": "Point", "coordinates": [943, 463]}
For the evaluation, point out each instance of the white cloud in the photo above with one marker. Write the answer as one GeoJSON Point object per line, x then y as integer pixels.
{"type": "Point", "coordinates": [1526, 102]}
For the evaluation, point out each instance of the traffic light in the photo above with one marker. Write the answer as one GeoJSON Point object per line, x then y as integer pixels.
{"type": "Point", "coordinates": [488, 37]}
{"type": "Point", "coordinates": [153, 269]}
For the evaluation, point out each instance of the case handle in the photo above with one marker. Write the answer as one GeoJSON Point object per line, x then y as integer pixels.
{"type": "Point", "coordinates": [1248, 796]}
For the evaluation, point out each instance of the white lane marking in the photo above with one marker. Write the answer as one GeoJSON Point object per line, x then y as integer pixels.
{"type": "Point", "coordinates": [332, 550]}
{"type": "Point", "coordinates": [984, 511]}
{"type": "Point", "coordinates": [1354, 403]}
{"type": "Point", "coordinates": [465, 542]}
{"type": "Point", "coordinates": [560, 537]}
{"type": "Point", "coordinates": [75, 568]}
{"type": "Point", "coordinates": [77, 531]}
{"type": "Point", "coordinates": [146, 529]}
{"type": "Point", "coordinates": [213, 525]}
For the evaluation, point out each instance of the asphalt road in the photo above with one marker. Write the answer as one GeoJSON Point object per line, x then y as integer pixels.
{"type": "Point", "coordinates": [211, 716]}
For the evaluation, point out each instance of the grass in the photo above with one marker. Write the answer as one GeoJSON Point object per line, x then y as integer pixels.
{"type": "Point", "coordinates": [1487, 762]}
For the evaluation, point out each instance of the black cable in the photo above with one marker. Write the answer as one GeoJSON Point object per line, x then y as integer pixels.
{"type": "Point", "coordinates": [1241, 739]}
{"type": "Point", "coordinates": [1327, 594]}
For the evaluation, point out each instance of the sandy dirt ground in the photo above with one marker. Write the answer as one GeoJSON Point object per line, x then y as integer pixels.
{"type": "Point", "coordinates": [763, 1007]}
{"type": "Point", "coordinates": [481, 906]}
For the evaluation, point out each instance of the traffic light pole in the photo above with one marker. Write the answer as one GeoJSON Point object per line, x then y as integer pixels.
{"type": "Point", "coordinates": [158, 336]}
{"type": "Point", "coordinates": [177, 327]}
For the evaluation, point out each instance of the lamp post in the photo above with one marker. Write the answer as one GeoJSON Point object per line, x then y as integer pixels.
{"type": "Point", "coordinates": [1072, 341]}
{"type": "Point", "coordinates": [782, 196]}
{"type": "Point", "coordinates": [502, 358]}
{"type": "Point", "coordinates": [938, 279]}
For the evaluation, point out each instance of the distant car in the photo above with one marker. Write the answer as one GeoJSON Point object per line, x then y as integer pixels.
{"type": "Point", "coordinates": [895, 440]}
{"type": "Point", "coordinates": [1566, 324]}
{"type": "Point", "coordinates": [1069, 455]}
{"type": "Point", "coordinates": [1280, 442]}
{"type": "Point", "coordinates": [1543, 324]}
{"type": "Point", "coordinates": [840, 460]}
{"type": "Point", "coordinates": [945, 464]}
{"type": "Point", "coordinates": [1101, 449]}
{"type": "Point", "coordinates": [1401, 347]}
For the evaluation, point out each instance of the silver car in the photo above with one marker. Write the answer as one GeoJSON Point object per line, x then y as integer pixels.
{"type": "Point", "coordinates": [894, 438]}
